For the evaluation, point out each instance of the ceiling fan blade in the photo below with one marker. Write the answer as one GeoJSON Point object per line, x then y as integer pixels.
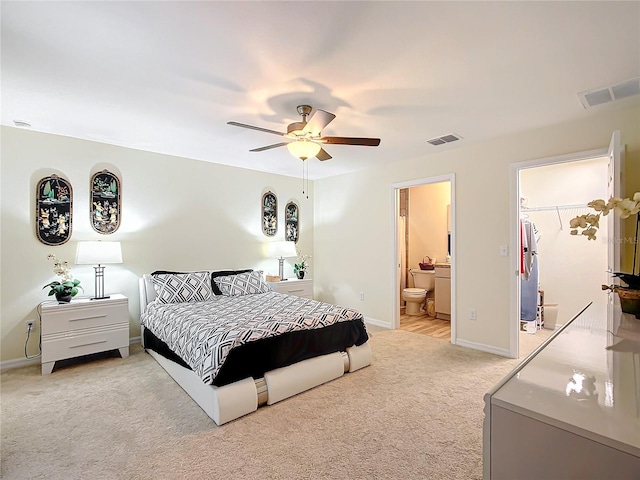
{"type": "Point", "coordinates": [260, 129]}
{"type": "Point", "coordinates": [269, 147]}
{"type": "Point", "coordinates": [317, 122]}
{"type": "Point", "coordinates": [367, 142]}
{"type": "Point", "coordinates": [323, 155]}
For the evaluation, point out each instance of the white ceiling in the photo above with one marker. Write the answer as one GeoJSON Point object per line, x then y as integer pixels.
{"type": "Point", "coordinates": [167, 76]}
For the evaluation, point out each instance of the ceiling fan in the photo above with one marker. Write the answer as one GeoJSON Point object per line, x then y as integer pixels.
{"type": "Point", "coordinates": [304, 139]}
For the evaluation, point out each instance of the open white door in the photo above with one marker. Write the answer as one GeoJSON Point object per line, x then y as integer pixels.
{"type": "Point", "coordinates": [613, 221]}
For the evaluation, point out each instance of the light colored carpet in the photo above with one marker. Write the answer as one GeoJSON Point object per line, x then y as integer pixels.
{"type": "Point", "coordinates": [416, 412]}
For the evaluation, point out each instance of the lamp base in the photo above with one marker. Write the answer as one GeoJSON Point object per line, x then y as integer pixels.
{"type": "Point", "coordinates": [100, 298]}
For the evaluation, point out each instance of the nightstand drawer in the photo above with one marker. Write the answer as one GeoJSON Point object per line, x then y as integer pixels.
{"type": "Point", "coordinates": [299, 288]}
{"type": "Point", "coordinates": [64, 345]}
{"type": "Point", "coordinates": [81, 317]}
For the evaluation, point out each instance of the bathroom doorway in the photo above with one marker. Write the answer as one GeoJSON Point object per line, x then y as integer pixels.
{"type": "Point", "coordinates": [545, 206]}
{"type": "Point", "coordinates": [424, 214]}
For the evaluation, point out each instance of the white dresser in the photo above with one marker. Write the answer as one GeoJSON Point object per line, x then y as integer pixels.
{"type": "Point", "coordinates": [571, 410]}
{"type": "Point", "coordinates": [82, 327]}
{"type": "Point", "coordinates": [293, 286]}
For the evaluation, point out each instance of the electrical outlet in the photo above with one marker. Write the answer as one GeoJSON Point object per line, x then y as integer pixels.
{"type": "Point", "coordinates": [472, 315]}
{"type": "Point", "coordinates": [362, 296]}
{"type": "Point", "coordinates": [30, 325]}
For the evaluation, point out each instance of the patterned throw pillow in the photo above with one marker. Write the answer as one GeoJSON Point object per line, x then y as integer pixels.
{"type": "Point", "coordinates": [242, 284]}
{"type": "Point", "coordinates": [182, 287]}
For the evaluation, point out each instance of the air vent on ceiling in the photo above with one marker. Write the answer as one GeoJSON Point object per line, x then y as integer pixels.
{"type": "Point", "coordinates": [598, 96]}
{"type": "Point", "coordinates": [450, 137]}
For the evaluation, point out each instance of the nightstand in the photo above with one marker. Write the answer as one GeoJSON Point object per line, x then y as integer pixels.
{"type": "Point", "coordinates": [293, 286]}
{"type": "Point", "coordinates": [82, 327]}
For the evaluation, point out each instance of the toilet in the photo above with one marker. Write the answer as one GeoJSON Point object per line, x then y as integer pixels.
{"type": "Point", "coordinates": [416, 298]}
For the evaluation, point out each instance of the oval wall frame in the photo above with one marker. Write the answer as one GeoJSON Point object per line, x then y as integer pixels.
{"type": "Point", "coordinates": [291, 221]}
{"type": "Point", "coordinates": [269, 214]}
{"type": "Point", "coordinates": [105, 208]}
{"type": "Point", "coordinates": [54, 210]}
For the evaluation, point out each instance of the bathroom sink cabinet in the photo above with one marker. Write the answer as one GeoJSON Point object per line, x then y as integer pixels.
{"type": "Point", "coordinates": [443, 292]}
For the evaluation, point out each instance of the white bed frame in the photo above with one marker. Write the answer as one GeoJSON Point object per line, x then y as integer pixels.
{"type": "Point", "coordinates": [232, 401]}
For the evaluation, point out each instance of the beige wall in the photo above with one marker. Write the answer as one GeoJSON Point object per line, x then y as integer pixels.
{"type": "Point", "coordinates": [176, 214]}
{"type": "Point", "coordinates": [428, 222]}
{"type": "Point", "coordinates": [354, 220]}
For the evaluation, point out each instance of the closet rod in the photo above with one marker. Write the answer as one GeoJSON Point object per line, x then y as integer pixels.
{"type": "Point", "coordinates": [556, 208]}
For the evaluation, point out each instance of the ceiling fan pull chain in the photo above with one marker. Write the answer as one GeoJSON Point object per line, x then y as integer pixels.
{"type": "Point", "coordinates": [307, 179]}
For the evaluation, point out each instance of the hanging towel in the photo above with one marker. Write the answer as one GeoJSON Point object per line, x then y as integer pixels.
{"type": "Point", "coordinates": [530, 247]}
{"type": "Point", "coordinates": [529, 293]}
{"type": "Point", "coordinates": [521, 247]}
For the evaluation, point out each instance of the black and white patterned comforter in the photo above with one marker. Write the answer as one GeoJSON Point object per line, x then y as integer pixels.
{"type": "Point", "coordinates": [203, 333]}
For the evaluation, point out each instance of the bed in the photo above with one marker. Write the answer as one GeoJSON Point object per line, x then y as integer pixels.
{"type": "Point", "coordinates": [235, 345]}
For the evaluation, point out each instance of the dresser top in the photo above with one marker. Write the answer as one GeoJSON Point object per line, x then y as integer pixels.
{"type": "Point", "coordinates": [84, 301]}
{"type": "Point", "coordinates": [586, 379]}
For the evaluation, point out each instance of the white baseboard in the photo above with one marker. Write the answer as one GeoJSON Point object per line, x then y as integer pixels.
{"type": "Point", "coordinates": [503, 352]}
{"type": "Point", "coordinates": [23, 362]}
{"type": "Point", "coordinates": [377, 323]}
{"type": "Point", "coordinates": [19, 362]}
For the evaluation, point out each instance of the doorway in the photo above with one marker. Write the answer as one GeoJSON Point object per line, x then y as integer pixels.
{"type": "Point", "coordinates": [424, 232]}
{"type": "Point", "coordinates": [544, 203]}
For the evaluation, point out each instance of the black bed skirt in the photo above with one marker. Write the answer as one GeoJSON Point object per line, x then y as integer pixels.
{"type": "Point", "coordinates": [253, 359]}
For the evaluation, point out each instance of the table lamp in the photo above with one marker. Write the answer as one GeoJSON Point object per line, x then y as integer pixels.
{"type": "Point", "coordinates": [282, 250]}
{"type": "Point", "coordinates": [92, 253]}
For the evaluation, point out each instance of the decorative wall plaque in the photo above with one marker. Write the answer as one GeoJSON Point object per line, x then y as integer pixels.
{"type": "Point", "coordinates": [54, 210]}
{"type": "Point", "coordinates": [291, 215]}
{"type": "Point", "coordinates": [269, 214]}
{"type": "Point", "coordinates": [105, 206]}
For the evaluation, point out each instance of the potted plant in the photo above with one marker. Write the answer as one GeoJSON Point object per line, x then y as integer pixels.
{"type": "Point", "coordinates": [67, 287]}
{"type": "Point", "coordinates": [301, 266]}
{"type": "Point", "coordinates": [588, 225]}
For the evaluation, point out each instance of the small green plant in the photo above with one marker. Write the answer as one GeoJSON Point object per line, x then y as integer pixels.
{"type": "Point", "coordinates": [302, 264]}
{"type": "Point", "coordinates": [62, 289]}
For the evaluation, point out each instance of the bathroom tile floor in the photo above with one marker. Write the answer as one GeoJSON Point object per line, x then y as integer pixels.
{"type": "Point", "coordinates": [426, 325]}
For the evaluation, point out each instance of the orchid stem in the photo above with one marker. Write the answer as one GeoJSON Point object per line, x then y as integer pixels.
{"type": "Point", "coordinates": [635, 247]}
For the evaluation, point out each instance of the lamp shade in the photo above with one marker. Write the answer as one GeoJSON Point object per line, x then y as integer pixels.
{"type": "Point", "coordinates": [92, 253]}
{"type": "Point", "coordinates": [282, 249]}
{"type": "Point", "coordinates": [303, 149]}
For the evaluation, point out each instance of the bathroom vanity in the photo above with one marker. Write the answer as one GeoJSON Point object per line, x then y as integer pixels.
{"type": "Point", "coordinates": [571, 409]}
{"type": "Point", "coordinates": [443, 291]}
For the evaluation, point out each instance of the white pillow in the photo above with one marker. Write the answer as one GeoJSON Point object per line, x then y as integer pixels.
{"type": "Point", "coordinates": [248, 283]}
{"type": "Point", "coordinates": [182, 287]}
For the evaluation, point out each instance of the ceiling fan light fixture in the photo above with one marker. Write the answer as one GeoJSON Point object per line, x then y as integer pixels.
{"type": "Point", "coordinates": [303, 149]}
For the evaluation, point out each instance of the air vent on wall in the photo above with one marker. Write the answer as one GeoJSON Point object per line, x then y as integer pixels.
{"type": "Point", "coordinates": [450, 137]}
{"type": "Point", "coordinates": [598, 96]}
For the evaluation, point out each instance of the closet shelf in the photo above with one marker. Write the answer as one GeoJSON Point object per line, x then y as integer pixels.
{"type": "Point", "coordinates": [556, 208]}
